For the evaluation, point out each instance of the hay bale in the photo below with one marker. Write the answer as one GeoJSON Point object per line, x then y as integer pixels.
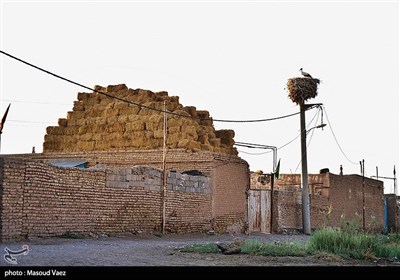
{"type": "Point", "coordinates": [191, 110]}
{"type": "Point", "coordinates": [135, 126]}
{"type": "Point", "coordinates": [174, 129]}
{"type": "Point", "coordinates": [215, 142]}
{"type": "Point", "coordinates": [100, 88]}
{"type": "Point", "coordinates": [111, 120]}
{"type": "Point", "coordinates": [122, 119]}
{"type": "Point", "coordinates": [78, 106]}
{"type": "Point", "coordinates": [206, 147]}
{"type": "Point", "coordinates": [129, 110]}
{"type": "Point", "coordinates": [115, 88]}
{"type": "Point", "coordinates": [181, 113]}
{"type": "Point", "coordinates": [71, 130]}
{"type": "Point", "coordinates": [111, 113]}
{"type": "Point", "coordinates": [119, 104]}
{"type": "Point", "coordinates": [82, 96]}
{"type": "Point", "coordinates": [204, 118]}
{"type": "Point", "coordinates": [191, 130]}
{"type": "Point", "coordinates": [226, 136]}
{"type": "Point", "coordinates": [158, 134]}
{"type": "Point", "coordinates": [63, 122]}
{"type": "Point", "coordinates": [189, 144]}
{"type": "Point", "coordinates": [302, 89]}
{"type": "Point", "coordinates": [85, 137]}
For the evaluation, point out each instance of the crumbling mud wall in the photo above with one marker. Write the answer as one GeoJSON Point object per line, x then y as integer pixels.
{"type": "Point", "coordinates": [100, 123]}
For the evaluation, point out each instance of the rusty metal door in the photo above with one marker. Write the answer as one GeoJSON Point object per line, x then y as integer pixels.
{"type": "Point", "coordinates": [259, 211]}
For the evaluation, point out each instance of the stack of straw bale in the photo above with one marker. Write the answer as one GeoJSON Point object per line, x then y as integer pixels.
{"type": "Point", "coordinates": [100, 123]}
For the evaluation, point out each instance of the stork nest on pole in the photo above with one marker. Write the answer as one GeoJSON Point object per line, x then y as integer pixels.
{"type": "Point", "coordinates": [302, 89]}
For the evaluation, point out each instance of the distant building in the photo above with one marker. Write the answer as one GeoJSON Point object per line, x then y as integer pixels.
{"type": "Point", "coordinates": [334, 199]}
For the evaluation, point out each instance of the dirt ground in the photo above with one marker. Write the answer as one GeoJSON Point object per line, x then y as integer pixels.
{"type": "Point", "coordinates": [149, 250]}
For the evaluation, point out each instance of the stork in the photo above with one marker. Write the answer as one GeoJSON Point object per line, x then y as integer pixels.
{"type": "Point", "coordinates": [305, 74]}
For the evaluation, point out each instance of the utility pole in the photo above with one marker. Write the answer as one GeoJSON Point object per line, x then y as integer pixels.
{"type": "Point", "coordinates": [304, 172]}
{"type": "Point", "coordinates": [362, 163]}
{"type": "Point", "coordinates": [164, 181]}
{"type": "Point", "coordinates": [300, 90]}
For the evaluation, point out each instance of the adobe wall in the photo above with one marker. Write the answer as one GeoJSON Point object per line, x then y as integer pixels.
{"type": "Point", "coordinates": [230, 183]}
{"type": "Point", "coordinates": [334, 199]}
{"type": "Point", "coordinates": [42, 200]}
{"type": "Point", "coordinates": [393, 212]}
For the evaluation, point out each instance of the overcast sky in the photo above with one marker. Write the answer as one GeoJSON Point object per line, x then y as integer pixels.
{"type": "Point", "coordinates": [230, 58]}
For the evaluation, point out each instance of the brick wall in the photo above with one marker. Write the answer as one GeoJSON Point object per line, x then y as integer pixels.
{"type": "Point", "coordinates": [346, 197]}
{"type": "Point", "coordinates": [393, 212]}
{"type": "Point", "coordinates": [333, 199]}
{"type": "Point", "coordinates": [110, 196]}
{"type": "Point", "coordinates": [42, 200]}
{"type": "Point", "coordinates": [229, 204]}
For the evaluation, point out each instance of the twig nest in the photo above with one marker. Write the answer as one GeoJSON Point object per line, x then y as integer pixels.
{"type": "Point", "coordinates": [302, 89]}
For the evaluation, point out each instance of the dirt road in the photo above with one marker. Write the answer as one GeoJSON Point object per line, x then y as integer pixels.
{"type": "Point", "coordinates": [150, 250]}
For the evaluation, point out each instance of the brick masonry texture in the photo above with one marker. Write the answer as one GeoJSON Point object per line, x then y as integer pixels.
{"type": "Point", "coordinates": [334, 199]}
{"type": "Point", "coordinates": [115, 194]}
{"type": "Point", "coordinates": [393, 212]}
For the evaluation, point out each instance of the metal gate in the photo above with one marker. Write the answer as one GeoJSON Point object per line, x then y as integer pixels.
{"type": "Point", "coordinates": [259, 211]}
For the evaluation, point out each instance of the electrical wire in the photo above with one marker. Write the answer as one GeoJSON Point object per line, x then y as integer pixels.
{"type": "Point", "coordinates": [337, 142]}
{"type": "Point", "coordinates": [142, 105]}
{"type": "Point", "coordinates": [254, 154]}
{"type": "Point", "coordinates": [281, 147]}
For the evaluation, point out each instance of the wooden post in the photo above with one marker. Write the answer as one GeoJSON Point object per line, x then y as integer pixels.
{"type": "Point", "coordinates": [304, 173]}
{"type": "Point", "coordinates": [164, 181]}
{"type": "Point", "coordinates": [271, 221]}
{"type": "Point", "coordinates": [363, 174]}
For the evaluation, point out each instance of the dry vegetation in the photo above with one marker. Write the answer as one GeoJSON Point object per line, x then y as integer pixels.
{"type": "Point", "coordinates": [98, 122]}
{"type": "Point", "coordinates": [302, 89]}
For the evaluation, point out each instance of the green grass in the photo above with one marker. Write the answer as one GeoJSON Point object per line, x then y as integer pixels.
{"type": "Point", "coordinates": [201, 248]}
{"type": "Point", "coordinates": [275, 249]}
{"type": "Point", "coordinates": [356, 245]}
{"type": "Point", "coordinates": [345, 244]}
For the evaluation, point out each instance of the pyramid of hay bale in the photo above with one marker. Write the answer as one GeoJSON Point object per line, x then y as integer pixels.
{"type": "Point", "coordinates": [302, 89]}
{"type": "Point", "coordinates": [100, 123]}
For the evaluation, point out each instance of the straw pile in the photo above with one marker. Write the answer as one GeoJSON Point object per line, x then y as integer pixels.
{"type": "Point", "coordinates": [302, 89]}
{"type": "Point", "coordinates": [101, 123]}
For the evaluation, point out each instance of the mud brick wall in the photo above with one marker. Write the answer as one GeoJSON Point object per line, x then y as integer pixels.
{"type": "Point", "coordinates": [42, 200]}
{"type": "Point", "coordinates": [333, 199]}
{"type": "Point", "coordinates": [229, 185]}
{"type": "Point", "coordinates": [393, 215]}
{"type": "Point", "coordinates": [98, 122]}
{"type": "Point", "coordinates": [287, 210]}
{"type": "Point", "coordinates": [12, 187]}
{"type": "Point", "coordinates": [346, 197]}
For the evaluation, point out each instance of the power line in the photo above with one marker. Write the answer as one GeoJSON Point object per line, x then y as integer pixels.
{"type": "Point", "coordinates": [138, 104]}
{"type": "Point", "coordinates": [254, 146]}
{"type": "Point", "coordinates": [337, 142]}
{"type": "Point", "coordinates": [254, 154]}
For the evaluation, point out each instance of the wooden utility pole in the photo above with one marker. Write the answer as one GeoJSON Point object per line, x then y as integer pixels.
{"type": "Point", "coordinates": [363, 192]}
{"type": "Point", "coordinates": [271, 220]}
{"type": "Point", "coordinates": [304, 173]}
{"type": "Point", "coordinates": [164, 181]}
